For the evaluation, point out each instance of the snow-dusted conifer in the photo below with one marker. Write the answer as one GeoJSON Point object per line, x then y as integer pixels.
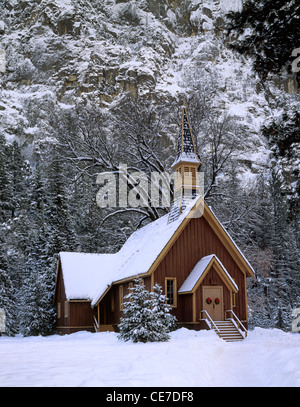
{"type": "Point", "coordinates": [144, 317]}
{"type": "Point", "coordinates": [7, 293]}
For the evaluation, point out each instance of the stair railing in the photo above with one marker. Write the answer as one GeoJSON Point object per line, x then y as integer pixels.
{"type": "Point", "coordinates": [238, 324]}
{"type": "Point", "coordinates": [209, 320]}
{"type": "Point", "coordinates": [96, 325]}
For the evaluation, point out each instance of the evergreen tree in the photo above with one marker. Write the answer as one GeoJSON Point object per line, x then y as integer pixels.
{"type": "Point", "coordinates": [273, 252]}
{"type": "Point", "coordinates": [283, 135]}
{"type": "Point", "coordinates": [19, 171]}
{"type": "Point", "coordinates": [6, 187]}
{"type": "Point", "coordinates": [144, 318]}
{"type": "Point", "coordinates": [38, 197]}
{"type": "Point", "coordinates": [269, 32]}
{"type": "Point", "coordinates": [7, 293]}
{"type": "Point", "coordinates": [258, 220]}
{"type": "Point", "coordinates": [285, 273]}
{"type": "Point", "coordinates": [36, 309]}
{"type": "Point", "coordinates": [57, 212]}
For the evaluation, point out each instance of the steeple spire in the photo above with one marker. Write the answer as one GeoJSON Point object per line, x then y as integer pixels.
{"type": "Point", "coordinates": [186, 164]}
{"type": "Point", "coordinates": [186, 151]}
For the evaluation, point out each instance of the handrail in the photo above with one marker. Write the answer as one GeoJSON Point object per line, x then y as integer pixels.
{"type": "Point", "coordinates": [210, 320]}
{"type": "Point", "coordinates": [239, 323]}
{"type": "Point", "coordinates": [96, 325]}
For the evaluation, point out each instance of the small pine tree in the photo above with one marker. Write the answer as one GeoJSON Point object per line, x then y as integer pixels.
{"type": "Point", "coordinates": [7, 294]}
{"type": "Point", "coordinates": [144, 318]}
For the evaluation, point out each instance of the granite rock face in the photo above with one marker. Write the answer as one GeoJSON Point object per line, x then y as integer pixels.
{"type": "Point", "coordinates": [61, 53]}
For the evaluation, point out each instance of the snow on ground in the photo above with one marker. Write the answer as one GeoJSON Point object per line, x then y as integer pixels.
{"type": "Point", "coordinates": [190, 359]}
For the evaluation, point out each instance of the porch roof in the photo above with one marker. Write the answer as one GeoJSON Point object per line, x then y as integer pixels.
{"type": "Point", "coordinates": [199, 271]}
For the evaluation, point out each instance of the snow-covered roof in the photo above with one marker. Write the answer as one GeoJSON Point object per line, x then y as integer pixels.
{"type": "Point", "coordinates": [199, 270]}
{"type": "Point", "coordinates": [186, 157]}
{"type": "Point", "coordinates": [87, 276]}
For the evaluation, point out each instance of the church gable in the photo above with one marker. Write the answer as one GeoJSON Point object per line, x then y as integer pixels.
{"type": "Point", "coordinates": [196, 239]}
{"type": "Point", "coordinates": [198, 242]}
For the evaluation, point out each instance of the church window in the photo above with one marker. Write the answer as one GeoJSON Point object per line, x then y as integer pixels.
{"type": "Point", "coordinates": [121, 297]}
{"type": "Point", "coordinates": [171, 291]}
{"type": "Point", "coordinates": [66, 309]}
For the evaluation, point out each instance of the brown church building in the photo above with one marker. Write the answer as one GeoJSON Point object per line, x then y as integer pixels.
{"type": "Point", "coordinates": [188, 252]}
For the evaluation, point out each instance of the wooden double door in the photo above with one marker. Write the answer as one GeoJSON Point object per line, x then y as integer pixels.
{"type": "Point", "coordinates": [213, 302]}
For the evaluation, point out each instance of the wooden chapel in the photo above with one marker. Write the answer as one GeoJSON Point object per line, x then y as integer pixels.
{"type": "Point", "coordinates": [188, 252]}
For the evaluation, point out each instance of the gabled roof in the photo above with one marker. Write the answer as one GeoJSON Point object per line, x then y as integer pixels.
{"type": "Point", "coordinates": [200, 270]}
{"type": "Point", "coordinates": [89, 276]}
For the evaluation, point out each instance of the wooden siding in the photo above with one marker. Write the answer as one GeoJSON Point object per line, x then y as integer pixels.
{"type": "Point", "coordinates": [62, 322]}
{"type": "Point", "coordinates": [196, 241]}
{"type": "Point", "coordinates": [74, 315]}
{"type": "Point", "coordinates": [80, 314]}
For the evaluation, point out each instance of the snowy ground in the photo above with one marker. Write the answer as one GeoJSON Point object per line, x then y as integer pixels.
{"type": "Point", "coordinates": [190, 358]}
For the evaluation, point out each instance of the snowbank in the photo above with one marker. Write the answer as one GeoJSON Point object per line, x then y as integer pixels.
{"type": "Point", "coordinates": [190, 358]}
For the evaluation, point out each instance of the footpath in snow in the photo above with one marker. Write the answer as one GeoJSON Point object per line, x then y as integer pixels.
{"type": "Point", "coordinates": [190, 359]}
